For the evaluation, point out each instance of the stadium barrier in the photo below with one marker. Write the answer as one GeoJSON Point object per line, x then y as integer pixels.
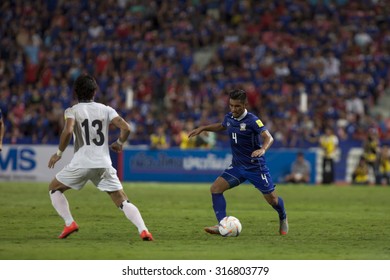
{"type": "Point", "coordinates": [29, 163]}
{"type": "Point", "coordinates": [176, 165]}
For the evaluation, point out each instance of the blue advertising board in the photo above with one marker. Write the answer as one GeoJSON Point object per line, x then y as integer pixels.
{"type": "Point", "coordinates": [176, 165]}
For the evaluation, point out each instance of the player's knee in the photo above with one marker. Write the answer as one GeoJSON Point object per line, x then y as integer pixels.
{"type": "Point", "coordinates": [54, 187]}
{"type": "Point", "coordinates": [215, 188]}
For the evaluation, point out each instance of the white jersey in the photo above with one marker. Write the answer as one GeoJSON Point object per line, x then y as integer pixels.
{"type": "Point", "coordinates": [90, 134]}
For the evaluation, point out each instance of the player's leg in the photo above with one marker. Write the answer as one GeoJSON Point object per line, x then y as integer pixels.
{"type": "Point", "coordinates": [109, 182]}
{"type": "Point", "coordinates": [217, 189]}
{"type": "Point", "coordinates": [59, 201]}
{"type": "Point", "coordinates": [219, 203]}
{"type": "Point", "coordinates": [131, 212]}
{"type": "Point", "coordinates": [263, 182]}
{"type": "Point", "coordinates": [228, 179]}
{"type": "Point", "coordinates": [278, 204]}
{"type": "Point", "coordinates": [65, 178]}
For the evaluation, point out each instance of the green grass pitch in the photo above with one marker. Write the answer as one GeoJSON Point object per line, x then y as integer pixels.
{"type": "Point", "coordinates": [326, 223]}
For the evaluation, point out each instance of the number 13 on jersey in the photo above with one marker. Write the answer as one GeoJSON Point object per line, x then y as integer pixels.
{"type": "Point", "coordinates": [98, 125]}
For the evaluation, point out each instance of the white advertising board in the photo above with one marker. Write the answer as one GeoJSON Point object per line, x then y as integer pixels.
{"type": "Point", "coordinates": [29, 162]}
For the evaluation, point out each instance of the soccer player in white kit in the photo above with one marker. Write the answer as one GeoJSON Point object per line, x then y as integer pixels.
{"type": "Point", "coordinates": [88, 122]}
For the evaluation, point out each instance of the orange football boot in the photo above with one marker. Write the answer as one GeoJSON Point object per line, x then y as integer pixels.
{"type": "Point", "coordinates": [146, 236]}
{"type": "Point", "coordinates": [73, 227]}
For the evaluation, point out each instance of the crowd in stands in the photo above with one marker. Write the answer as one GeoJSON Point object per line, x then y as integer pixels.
{"type": "Point", "coordinates": [305, 64]}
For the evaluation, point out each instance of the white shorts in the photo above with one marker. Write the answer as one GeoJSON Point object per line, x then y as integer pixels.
{"type": "Point", "coordinates": [105, 179]}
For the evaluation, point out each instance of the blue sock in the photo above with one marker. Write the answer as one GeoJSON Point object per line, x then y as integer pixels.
{"type": "Point", "coordinates": [219, 205]}
{"type": "Point", "coordinates": [280, 209]}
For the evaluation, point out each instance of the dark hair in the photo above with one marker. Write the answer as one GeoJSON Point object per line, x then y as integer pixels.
{"type": "Point", "coordinates": [238, 94]}
{"type": "Point", "coordinates": [85, 87]}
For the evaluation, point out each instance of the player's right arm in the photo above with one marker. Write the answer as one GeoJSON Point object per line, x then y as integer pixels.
{"type": "Point", "coordinates": [66, 136]}
{"type": "Point", "coordinates": [216, 127]}
{"type": "Point", "coordinates": [124, 127]}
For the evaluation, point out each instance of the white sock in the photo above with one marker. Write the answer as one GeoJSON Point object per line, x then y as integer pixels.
{"type": "Point", "coordinates": [133, 214]}
{"type": "Point", "coordinates": [60, 203]}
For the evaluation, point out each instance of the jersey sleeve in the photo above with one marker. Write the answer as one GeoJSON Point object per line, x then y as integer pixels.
{"type": "Point", "coordinates": [224, 122]}
{"type": "Point", "coordinates": [258, 125]}
{"type": "Point", "coordinates": [112, 113]}
{"type": "Point", "coordinates": [69, 113]}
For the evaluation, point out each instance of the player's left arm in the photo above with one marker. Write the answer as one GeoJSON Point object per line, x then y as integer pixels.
{"type": "Point", "coordinates": [66, 136]}
{"type": "Point", "coordinates": [267, 142]}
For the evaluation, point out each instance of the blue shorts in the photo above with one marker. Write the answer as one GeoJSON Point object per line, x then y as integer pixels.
{"type": "Point", "coordinates": [261, 179]}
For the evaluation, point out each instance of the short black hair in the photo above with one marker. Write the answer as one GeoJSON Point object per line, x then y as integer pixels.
{"type": "Point", "coordinates": [238, 94]}
{"type": "Point", "coordinates": [85, 87]}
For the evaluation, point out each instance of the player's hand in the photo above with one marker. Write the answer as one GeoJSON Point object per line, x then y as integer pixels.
{"type": "Point", "coordinates": [194, 132]}
{"type": "Point", "coordinates": [1, 147]}
{"type": "Point", "coordinates": [258, 153]}
{"type": "Point", "coordinates": [54, 158]}
{"type": "Point", "coordinates": [116, 147]}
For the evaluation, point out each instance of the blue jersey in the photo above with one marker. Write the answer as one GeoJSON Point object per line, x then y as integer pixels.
{"type": "Point", "coordinates": [244, 134]}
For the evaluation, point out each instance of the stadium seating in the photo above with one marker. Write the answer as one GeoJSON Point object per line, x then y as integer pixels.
{"type": "Point", "coordinates": [167, 62]}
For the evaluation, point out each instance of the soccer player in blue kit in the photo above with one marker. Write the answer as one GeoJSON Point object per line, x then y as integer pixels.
{"type": "Point", "coordinates": [248, 163]}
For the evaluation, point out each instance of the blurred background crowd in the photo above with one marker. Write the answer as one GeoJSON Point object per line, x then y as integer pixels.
{"type": "Point", "coordinates": [167, 66]}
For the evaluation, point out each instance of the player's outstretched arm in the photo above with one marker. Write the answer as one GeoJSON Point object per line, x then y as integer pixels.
{"type": "Point", "coordinates": [211, 127]}
{"type": "Point", "coordinates": [65, 137]}
{"type": "Point", "coordinates": [124, 126]}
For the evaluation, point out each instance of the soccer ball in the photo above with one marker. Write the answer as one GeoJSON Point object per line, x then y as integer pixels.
{"type": "Point", "coordinates": [230, 227]}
